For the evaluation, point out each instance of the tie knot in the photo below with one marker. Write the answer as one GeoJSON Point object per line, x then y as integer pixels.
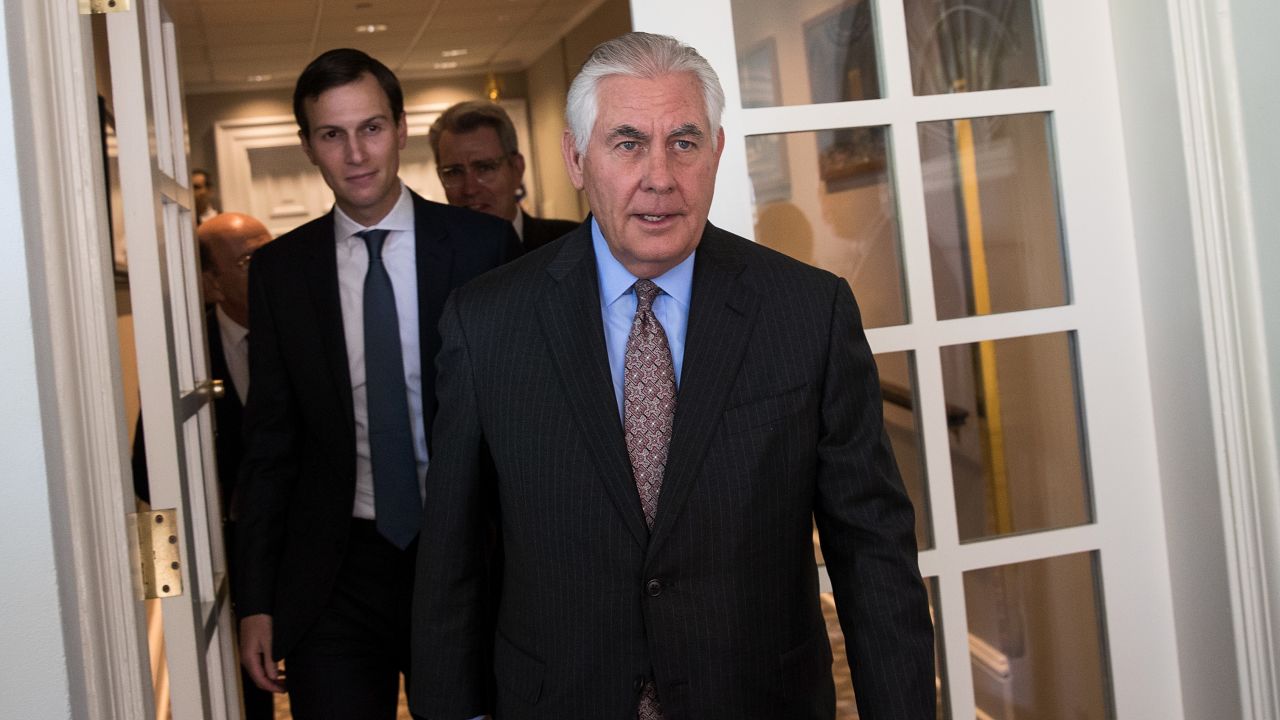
{"type": "Point", "coordinates": [373, 240]}
{"type": "Point", "coordinates": [646, 291]}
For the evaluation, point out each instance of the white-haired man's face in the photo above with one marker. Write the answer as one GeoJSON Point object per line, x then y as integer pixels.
{"type": "Point", "coordinates": [650, 169]}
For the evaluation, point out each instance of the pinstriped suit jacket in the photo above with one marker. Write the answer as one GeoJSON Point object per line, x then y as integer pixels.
{"type": "Point", "coordinates": [778, 421]}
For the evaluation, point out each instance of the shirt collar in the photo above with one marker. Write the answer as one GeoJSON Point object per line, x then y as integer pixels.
{"type": "Point", "coordinates": [616, 280]}
{"type": "Point", "coordinates": [518, 223]}
{"type": "Point", "coordinates": [231, 329]}
{"type": "Point", "coordinates": [400, 218]}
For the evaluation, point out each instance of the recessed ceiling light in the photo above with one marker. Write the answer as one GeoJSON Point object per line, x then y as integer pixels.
{"type": "Point", "coordinates": [371, 28]}
{"type": "Point", "coordinates": [258, 78]}
{"type": "Point", "coordinates": [444, 65]}
{"type": "Point", "coordinates": [454, 53]}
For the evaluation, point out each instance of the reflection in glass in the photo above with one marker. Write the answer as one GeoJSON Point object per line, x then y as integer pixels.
{"type": "Point", "coordinates": [939, 667]}
{"type": "Point", "coordinates": [970, 45]}
{"type": "Point", "coordinates": [898, 387]}
{"type": "Point", "coordinates": [1021, 466]}
{"type": "Point", "coordinates": [846, 704]}
{"type": "Point", "coordinates": [1036, 640]}
{"type": "Point", "coordinates": [842, 218]}
{"type": "Point", "coordinates": [991, 203]}
{"type": "Point", "coordinates": [806, 52]}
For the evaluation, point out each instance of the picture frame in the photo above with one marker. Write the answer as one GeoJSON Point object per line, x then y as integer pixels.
{"type": "Point", "coordinates": [767, 160]}
{"type": "Point", "coordinates": [843, 61]}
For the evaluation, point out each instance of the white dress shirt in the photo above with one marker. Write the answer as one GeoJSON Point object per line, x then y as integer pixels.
{"type": "Point", "coordinates": [518, 223]}
{"type": "Point", "coordinates": [399, 255]}
{"type": "Point", "coordinates": [235, 348]}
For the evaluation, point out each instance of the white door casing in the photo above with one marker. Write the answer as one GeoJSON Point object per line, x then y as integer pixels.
{"type": "Point", "coordinates": [1105, 314]}
{"type": "Point", "coordinates": [263, 172]}
{"type": "Point", "coordinates": [172, 358]}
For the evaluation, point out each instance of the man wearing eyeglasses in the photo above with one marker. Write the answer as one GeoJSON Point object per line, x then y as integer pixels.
{"type": "Point", "coordinates": [480, 166]}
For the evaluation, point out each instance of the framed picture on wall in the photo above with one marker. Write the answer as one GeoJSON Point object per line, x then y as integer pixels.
{"type": "Point", "coordinates": [843, 61]}
{"type": "Point", "coordinates": [767, 161]}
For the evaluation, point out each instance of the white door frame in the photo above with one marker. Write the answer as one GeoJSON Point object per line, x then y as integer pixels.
{"type": "Point", "coordinates": [1235, 339]}
{"type": "Point", "coordinates": [164, 286]}
{"type": "Point", "coordinates": [64, 220]}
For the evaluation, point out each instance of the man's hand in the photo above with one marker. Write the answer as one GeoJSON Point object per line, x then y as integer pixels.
{"type": "Point", "coordinates": [255, 652]}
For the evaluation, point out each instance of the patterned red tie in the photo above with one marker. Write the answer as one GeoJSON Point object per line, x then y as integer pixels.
{"type": "Point", "coordinates": [649, 405]}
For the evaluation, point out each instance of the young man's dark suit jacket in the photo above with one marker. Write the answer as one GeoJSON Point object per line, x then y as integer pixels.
{"type": "Point", "coordinates": [778, 421]}
{"type": "Point", "coordinates": [540, 231]}
{"type": "Point", "coordinates": [298, 473]}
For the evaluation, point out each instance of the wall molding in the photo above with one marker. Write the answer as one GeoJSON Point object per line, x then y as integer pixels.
{"type": "Point", "coordinates": [1229, 287]}
{"type": "Point", "coordinates": [234, 140]}
{"type": "Point", "coordinates": [69, 266]}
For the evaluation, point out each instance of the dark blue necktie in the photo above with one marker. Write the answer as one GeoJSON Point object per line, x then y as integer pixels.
{"type": "Point", "coordinates": [396, 501]}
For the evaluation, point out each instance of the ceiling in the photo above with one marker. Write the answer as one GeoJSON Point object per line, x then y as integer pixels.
{"type": "Point", "coordinates": [228, 45]}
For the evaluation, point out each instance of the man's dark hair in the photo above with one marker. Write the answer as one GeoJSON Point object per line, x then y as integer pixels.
{"type": "Point", "coordinates": [473, 115]}
{"type": "Point", "coordinates": [339, 67]}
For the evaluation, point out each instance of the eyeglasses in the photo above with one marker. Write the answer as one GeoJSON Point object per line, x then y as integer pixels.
{"type": "Point", "coordinates": [484, 171]}
{"type": "Point", "coordinates": [242, 262]}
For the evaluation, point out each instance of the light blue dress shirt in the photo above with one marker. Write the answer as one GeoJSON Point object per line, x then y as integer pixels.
{"type": "Point", "coordinates": [618, 307]}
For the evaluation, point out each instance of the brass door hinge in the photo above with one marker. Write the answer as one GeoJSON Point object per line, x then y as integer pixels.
{"type": "Point", "coordinates": [99, 7]}
{"type": "Point", "coordinates": [157, 564]}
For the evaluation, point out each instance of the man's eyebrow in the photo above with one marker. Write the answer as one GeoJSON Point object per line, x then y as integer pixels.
{"type": "Point", "coordinates": [628, 131]}
{"type": "Point", "coordinates": [366, 121]}
{"type": "Point", "coordinates": [686, 130]}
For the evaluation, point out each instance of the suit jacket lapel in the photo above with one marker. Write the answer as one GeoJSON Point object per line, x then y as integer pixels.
{"type": "Point", "coordinates": [435, 268]}
{"type": "Point", "coordinates": [569, 312]}
{"type": "Point", "coordinates": [322, 277]}
{"type": "Point", "coordinates": [722, 314]}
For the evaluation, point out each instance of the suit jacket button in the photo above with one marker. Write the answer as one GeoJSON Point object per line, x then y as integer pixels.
{"type": "Point", "coordinates": [653, 587]}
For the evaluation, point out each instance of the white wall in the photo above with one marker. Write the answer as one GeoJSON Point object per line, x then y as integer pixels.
{"type": "Point", "coordinates": [33, 667]}
{"type": "Point", "coordinates": [1175, 342]}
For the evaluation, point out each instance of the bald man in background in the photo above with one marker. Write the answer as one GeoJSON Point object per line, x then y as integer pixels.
{"type": "Point", "coordinates": [227, 244]}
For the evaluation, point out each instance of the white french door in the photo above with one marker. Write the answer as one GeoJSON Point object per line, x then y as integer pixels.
{"type": "Point", "coordinates": [960, 163]}
{"type": "Point", "coordinates": [172, 358]}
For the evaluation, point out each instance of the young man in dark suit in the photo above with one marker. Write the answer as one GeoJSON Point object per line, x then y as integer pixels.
{"type": "Point", "coordinates": [653, 449]}
{"type": "Point", "coordinates": [480, 166]}
{"type": "Point", "coordinates": [343, 333]}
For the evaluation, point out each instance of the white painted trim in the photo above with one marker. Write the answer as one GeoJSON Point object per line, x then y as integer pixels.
{"type": "Point", "coordinates": [233, 139]}
{"type": "Point", "coordinates": [64, 221]}
{"type": "Point", "coordinates": [1229, 288]}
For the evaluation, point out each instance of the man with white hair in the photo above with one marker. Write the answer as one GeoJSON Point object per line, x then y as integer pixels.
{"type": "Point", "coordinates": [620, 504]}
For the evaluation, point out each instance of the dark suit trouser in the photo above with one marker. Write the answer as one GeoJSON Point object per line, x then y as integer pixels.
{"type": "Point", "coordinates": [347, 666]}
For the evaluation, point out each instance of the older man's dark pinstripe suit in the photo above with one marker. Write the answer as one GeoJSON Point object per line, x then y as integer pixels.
{"type": "Point", "coordinates": [778, 421]}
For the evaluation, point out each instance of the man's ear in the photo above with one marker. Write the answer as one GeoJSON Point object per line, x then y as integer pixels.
{"type": "Point", "coordinates": [306, 146]}
{"type": "Point", "coordinates": [212, 287]}
{"type": "Point", "coordinates": [517, 162]}
{"type": "Point", "coordinates": [572, 159]}
{"type": "Point", "coordinates": [402, 129]}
